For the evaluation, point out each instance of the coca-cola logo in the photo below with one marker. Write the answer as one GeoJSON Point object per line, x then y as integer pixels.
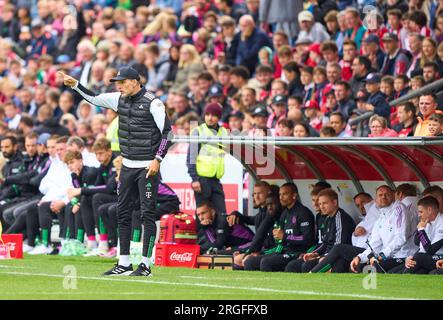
{"type": "Point", "coordinates": [181, 257]}
{"type": "Point", "coordinates": [10, 245]}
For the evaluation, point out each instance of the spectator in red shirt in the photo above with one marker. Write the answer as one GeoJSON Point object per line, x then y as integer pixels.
{"type": "Point", "coordinates": [395, 26]}
{"type": "Point", "coordinates": [313, 114]}
{"type": "Point", "coordinates": [349, 53]}
{"type": "Point", "coordinates": [279, 39]}
{"type": "Point", "coordinates": [379, 127]}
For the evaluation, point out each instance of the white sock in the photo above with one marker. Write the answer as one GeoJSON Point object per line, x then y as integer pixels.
{"type": "Point", "coordinates": [146, 261]}
{"type": "Point", "coordinates": [124, 261]}
{"type": "Point", "coordinates": [103, 245]}
{"type": "Point", "coordinates": [92, 244]}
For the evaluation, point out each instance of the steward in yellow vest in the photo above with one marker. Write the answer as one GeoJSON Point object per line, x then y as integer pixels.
{"type": "Point", "coordinates": [206, 162]}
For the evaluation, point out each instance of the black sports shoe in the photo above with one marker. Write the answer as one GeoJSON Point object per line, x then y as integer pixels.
{"type": "Point", "coordinates": [142, 271]}
{"type": "Point", "coordinates": [119, 271]}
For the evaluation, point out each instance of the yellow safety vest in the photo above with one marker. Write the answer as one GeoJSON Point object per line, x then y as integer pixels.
{"type": "Point", "coordinates": [211, 158]}
{"type": "Point", "coordinates": [112, 135]}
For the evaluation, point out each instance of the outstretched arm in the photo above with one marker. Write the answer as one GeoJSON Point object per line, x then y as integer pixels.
{"type": "Point", "coordinates": [105, 100]}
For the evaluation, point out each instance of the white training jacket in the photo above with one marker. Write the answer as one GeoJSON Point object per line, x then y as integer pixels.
{"type": "Point", "coordinates": [389, 234]}
{"type": "Point", "coordinates": [372, 214]}
{"type": "Point", "coordinates": [56, 182]}
{"type": "Point", "coordinates": [412, 210]}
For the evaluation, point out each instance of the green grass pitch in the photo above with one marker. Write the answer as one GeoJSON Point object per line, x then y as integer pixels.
{"type": "Point", "coordinates": [48, 277]}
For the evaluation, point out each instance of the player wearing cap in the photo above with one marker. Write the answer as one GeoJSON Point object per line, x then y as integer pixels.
{"type": "Point", "coordinates": [205, 162]}
{"type": "Point", "coordinates": [143, 137]}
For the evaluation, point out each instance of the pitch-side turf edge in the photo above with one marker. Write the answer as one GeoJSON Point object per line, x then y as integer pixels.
{"type": "Point", "coordinates": [256, 289]}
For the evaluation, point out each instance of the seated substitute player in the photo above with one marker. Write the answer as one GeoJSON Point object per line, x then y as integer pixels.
{"type": "Point", "coordinates": [259, 195]}
{"type": "Point", "coordinates": [341, 255]}
{"type": "Point", "coordinates": [215, 234]}
{"type": "Point", "coordinates": [81, 217]}
{"type": "Point", "coordinates": [369, 214]}
{"type": "Point", "coordinates": [263, 241]}
{"type": "Point", "coordinates": [338, 229]}
{"type": "Point", "coordinates": [294, 233]}
{"type": "Point", "coordinates": [429, 237]}
{"type": "Point", "coordinates": [319, 217]}
{"type": "Point", "coordinates": [388, 245]}
{"type": "Point", "coordinates": [102, 192]}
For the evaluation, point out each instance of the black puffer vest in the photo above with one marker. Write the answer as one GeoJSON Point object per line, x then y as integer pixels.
{"type": "Point", "coordinates": [138, 133]}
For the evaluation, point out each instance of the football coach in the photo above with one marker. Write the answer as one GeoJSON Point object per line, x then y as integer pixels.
{"type": "Point", "coordinates": [143, 136]}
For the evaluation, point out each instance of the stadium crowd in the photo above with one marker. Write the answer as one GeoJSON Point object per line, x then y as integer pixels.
{"type": "Point", "coordinates": [304, 71]}
{"type": "Point", "coordinates": [246, 66]}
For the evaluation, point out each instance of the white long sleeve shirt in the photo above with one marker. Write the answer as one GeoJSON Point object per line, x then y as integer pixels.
{"type": "Point", "coordinates": [389, 234]}
{"type": "Point", "coordinates": [55, 184]}
{"type": "Point", "coordinates": [89, 159]}
{"type": "Point", "coordinates": [413, 218]}
{"type": "Point", "coordinates": [372, 215]}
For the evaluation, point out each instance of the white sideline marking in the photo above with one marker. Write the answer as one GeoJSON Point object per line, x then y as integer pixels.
{"type": "Point", "coordinates": [215, 278]}
{"type": "Point", "coordinates": [258, 289]}
{"type": "Point", "coordinates": [11, 266]}
{"type": "Point", "coordinates": [76, 292]}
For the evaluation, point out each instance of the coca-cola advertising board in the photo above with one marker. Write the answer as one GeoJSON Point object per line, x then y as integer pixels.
{"type": "Point", "coordinates": [11, 246]}
{"type": "Point", "coordinates": [176, 255]}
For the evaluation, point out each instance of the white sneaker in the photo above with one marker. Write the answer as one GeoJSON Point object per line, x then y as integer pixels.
{"type": "Point", "coordinates": [95, 252]}
{"type": "Point", "coordinates": [27, 248]}
{"type": "Point", "coordinates": [41, 249]}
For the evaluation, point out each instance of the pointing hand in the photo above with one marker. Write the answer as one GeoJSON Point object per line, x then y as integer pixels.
{"type": "Point", "coordinates": [67, 80]}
